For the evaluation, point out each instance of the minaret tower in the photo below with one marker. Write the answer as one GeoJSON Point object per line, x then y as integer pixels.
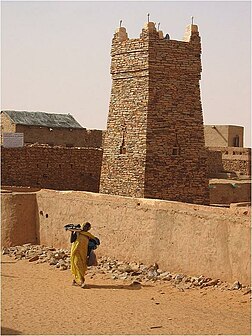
{"type": "Point", "coordinates": [154, 144]}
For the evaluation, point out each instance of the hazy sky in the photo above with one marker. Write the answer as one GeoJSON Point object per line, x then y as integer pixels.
{"type": "Point", "coordinates": [56, 54]}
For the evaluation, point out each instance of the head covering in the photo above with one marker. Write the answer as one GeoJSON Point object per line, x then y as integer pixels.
{"type": "Point", "coordinates": [86, 226]}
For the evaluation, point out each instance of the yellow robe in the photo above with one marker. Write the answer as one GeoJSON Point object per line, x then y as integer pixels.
{"type": "Point", "coordinates": [79, 256]}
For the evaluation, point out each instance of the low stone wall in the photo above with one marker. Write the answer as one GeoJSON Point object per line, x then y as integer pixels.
{"type": "Point", "coordinates": [186, 238]}
{"type": "Point", "coordinates": [57, 168]}
{"type": "Point", "coordinates": [234, 159]}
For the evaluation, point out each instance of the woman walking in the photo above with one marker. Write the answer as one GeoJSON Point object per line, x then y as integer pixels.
{"type": "Point", "coordinates": [79, 251]}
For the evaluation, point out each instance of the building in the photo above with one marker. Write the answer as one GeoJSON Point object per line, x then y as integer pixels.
{"type": "Point", "coordinates": [154, 144]}
{"type": "Point", "coordinates": [49, 128]}
{"type": "Point", "coordinates": [223, 135]}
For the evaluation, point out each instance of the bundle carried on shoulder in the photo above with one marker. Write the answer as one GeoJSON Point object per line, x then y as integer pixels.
{"type": "Point", "coordinates": [72, 227]}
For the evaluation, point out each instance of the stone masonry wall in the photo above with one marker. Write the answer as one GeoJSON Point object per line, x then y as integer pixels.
{"type": "Point", "coordinates": [214, 162]}
{"type": "Point", "coordinates": [176, 167]}
{"type": "Point", "coordinates": [154, 144]}
{"type": "Point", "coordinates": [234, 159]}
{"type": "Point", "coordinates": [126, 126]}
{"type": "Point", "coordinates": [52, 167]}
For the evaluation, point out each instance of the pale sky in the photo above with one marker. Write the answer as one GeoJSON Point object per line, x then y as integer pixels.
{"type": "Point", "coordinates": [55, 55]}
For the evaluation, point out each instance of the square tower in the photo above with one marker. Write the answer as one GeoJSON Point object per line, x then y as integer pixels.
{"type": "Point", "coordinates": [154, 144]}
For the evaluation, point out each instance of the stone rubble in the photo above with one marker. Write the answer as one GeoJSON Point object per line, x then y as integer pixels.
{"type": "Point", "coordinates": [119, 270]}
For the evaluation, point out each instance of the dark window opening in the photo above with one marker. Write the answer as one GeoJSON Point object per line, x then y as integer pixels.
{"type": "Point", "coordinates": [175, 151]}
{"type": "Point", "coordinates": [122, 150]}
{"type": "Point", "coordinates": [123, 147]}
{"type": "Point", "coordinates": [46, 215]}
{"type": "Point", "coordinates": [59, 165]}
{"type": "Point", "coordinates": [236, 141]}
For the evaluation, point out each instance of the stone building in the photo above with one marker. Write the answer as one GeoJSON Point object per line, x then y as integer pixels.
{"type": "Point", "coordinates": [154, 144]}
{"type": "Point", "coordinates": [49, 128]}
{"type": "Point", "coordinates": [223, 135]}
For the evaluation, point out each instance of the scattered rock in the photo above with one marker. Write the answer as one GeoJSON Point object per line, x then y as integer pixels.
{"type": "Point", "coordinates": [134, 272]}
{"type": "Point", "coordinates": [236, 285]}
{"type": "Point", "coordinates": [155, 327]}
{"type": "Point", "coordinates": [36, 257]}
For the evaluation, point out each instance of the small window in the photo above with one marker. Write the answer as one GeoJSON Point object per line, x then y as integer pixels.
{"type": "Point", "coordinates": [122, 150]}
{"type": "Point", "coordinates": [123, 147]}
{"type": "Point", "coordinates": [236, 141]}
{"type": "Point", "coordinates": [175, 151]}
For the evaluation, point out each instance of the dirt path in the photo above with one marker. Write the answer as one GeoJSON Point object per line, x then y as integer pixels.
{"type": "Point", "coordinates": [39, 300]}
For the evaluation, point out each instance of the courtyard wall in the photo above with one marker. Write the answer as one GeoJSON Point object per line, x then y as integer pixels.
{"type": "Point", "coordinates": [187, 238]}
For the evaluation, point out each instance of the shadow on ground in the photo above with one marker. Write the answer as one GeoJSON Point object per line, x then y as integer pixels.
{"type": "Point", "coordinates": [130, 287]}
{"type": "Point", "coordinates": [8, 331]}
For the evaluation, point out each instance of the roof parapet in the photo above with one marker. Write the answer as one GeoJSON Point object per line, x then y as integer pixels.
{"type": "Point", "coordinates": [190, 30]}
{"type": "Point", "coordinates": [121, 34]}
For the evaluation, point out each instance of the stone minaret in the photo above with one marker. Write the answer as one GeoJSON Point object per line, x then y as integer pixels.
{"type": "Point", "coordinates": [154, 145]}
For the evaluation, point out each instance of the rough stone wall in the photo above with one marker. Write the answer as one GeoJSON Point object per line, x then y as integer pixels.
{"type": "Point", "coordinates": [70, 137]}
{"type": "Point", "coordinates": [176, 167]}
{"type": "Point", "coordinates": [214, 162]}
{"type": "Point", "coordinates": [126, 126]}
{"type": "Point", "coordinates": [222, 135]}
{"type": "Point", "coordinates": [234, 159]}
{"type": "Point", "coordinates": [52, 167]}
{"type": "Point", "coordinates": [155, 117]}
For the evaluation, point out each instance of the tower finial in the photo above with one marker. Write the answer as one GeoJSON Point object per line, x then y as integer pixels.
{"type": "Point", "coordinates": [120, 23]}
{"type": "Point", "coordinates": [148, 16]}
{"type": "Point", "coordinates": [192, 19]}
{"type": "Point", "coordinates": [158, 25]}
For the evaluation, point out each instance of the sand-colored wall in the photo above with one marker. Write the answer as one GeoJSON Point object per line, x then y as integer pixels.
{"type": "Point", "coordinates": [18, 218]}
{"type": "Point", "coordinates": [187, 238]}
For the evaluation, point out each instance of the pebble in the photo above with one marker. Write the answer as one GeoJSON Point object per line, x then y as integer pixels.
{"type": "Point", "coordinates": [114, 269]}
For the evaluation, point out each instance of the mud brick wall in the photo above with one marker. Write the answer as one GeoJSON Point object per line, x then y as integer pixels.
{"type": "Point", "coordinates": [235, 159]}
{"type": "Point", "coordinates": [52, 167]}
{"type": "Point", "coordinates": [154, 145]}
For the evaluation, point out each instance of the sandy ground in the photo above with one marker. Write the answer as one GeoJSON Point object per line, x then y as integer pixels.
{"type": "Point", "coordinates": [39, 300]}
